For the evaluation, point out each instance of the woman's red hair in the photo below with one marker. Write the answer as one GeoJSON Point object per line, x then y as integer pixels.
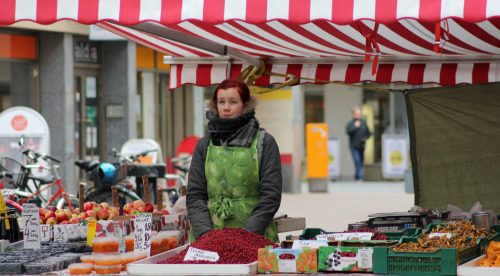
{"type": "Point", "coordinates": [242, 88]}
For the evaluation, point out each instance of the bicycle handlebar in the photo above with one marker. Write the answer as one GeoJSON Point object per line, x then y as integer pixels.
{"type": "Point", "coordinates": [6, 174]}
{"type": "Point", "coordinates": [133, 157]}
{"type": "Point", "coordinates": [44, 156]}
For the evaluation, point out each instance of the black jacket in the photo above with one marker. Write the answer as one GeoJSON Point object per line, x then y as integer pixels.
{"type": "Point", "coordinates": [358, 135]}
{"type": "Point", "coordinates": [270, 178]}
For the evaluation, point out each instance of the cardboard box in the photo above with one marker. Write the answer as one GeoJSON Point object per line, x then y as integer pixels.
{"type": "Point", "coordinates": [287, 260]}
{"type": "Point", "coordinates": [177, 222]}
{"type": "Point", "coordinates": [65, 232]}
{"type": "Point", "coordinates": [290, 224]}
{"type": "Point", "coordinates": [345, 259]}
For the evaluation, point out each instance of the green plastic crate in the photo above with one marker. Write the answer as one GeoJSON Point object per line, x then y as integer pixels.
{"type": "Point", "coordinates": [441, 262]}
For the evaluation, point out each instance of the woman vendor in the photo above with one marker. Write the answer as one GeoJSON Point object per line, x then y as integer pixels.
{"type": "Point", "coordinates": [235, 174]}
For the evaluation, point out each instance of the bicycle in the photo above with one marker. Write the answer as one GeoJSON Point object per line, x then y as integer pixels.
{"type": "Point", "coordinates": [175, 192]}
{"type": "Point", "coordinates": [103, 179]}
{"type": "Point", "coordinates": [23, 192]}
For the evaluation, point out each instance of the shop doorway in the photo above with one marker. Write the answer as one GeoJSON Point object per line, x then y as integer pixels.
{"type": "Point", "coordinates": [89, 117]}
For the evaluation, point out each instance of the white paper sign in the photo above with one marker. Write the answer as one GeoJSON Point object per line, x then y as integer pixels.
{"type": "Point", "coordinates": [46, 232]}
{"type": "Point", "coordinates": [195, 254]}
{"type": "Point", "coordinates": [31, 219]}
{"type": "Point", "coordinates": [333, 158]}
{"type": "Point", "coordinates": [394, 155]}
{"type": "Point", "coordinates": [298, 244]}
{"type": "Point", "coordinates": [362, 236]}
{"type": "Point", "coordinates": [436, 234]}
{"type": "Point", "coordinates": [143, 223]}
{"type": "Point", "coordinates": [365, 258]}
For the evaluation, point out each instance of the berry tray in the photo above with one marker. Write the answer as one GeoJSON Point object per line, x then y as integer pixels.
{"type": "Point", "coordinates": [150, 266]}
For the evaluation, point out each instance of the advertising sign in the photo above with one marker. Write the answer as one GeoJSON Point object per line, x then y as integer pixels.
{"type": "Point", "coordinates": [394, 155]}
{"type": "Point", "coordinates": [23, 121]}
{"type": "Point", "coordinates": [317, 150]}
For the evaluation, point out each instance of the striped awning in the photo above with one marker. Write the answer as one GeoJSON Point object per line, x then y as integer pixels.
{"type": "Point", "coordinates": [384, 41]}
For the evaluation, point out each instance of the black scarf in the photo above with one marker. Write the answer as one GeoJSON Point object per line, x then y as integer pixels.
{"type": "Point", "coordinates": [233, 132]}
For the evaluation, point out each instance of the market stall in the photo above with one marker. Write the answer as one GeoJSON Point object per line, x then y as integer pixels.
{"type": "Point", "coordinates": [291, 42]}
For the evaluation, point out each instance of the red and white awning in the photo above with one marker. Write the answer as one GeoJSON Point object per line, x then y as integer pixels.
{"type": "Point", "coordinates": [411, 41]}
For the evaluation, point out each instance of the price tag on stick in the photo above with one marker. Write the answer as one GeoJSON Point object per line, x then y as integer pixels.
{"type": "Point", "coordinates": [159, 200]}
{"type": "Point", "coordinates": [3, 210]}
{"type": "Point", "coordinates": [145, 185]}
{"type": "Point", "coordinates": [143, 224]}
{"type": "Point", "coordinates": [31, 218]}
{"type": "Point", "coordinates": [114, 192]}
{"type": "Point", "coordinates": [81, 197]}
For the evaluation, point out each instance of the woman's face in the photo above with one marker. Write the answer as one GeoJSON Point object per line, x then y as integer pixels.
{"type": "Point", "coordinates": [229, 103]}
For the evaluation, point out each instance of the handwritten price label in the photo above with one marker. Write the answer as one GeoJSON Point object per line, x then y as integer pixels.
{"type": "Point", "coordinates": [31, 219]}
{"type": "Point", "coordinates": [143, 224]}
{"type": "Point", "coordinates": [91, 231]}
{"type": "Point", "coordinates": [195, 254]}
{"type": "Point", "coordinates": [362, 236]}
{"type": "Point", "coordinates": [436, 234]}
{"type": "Point", "coordinates": [298, 244]}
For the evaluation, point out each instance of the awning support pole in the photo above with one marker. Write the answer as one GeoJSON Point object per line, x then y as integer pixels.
{"type": "Point", "coordinates": [194, 41]}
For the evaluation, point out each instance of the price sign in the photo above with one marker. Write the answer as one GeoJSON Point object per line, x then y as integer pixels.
{"type": "Point", "coordinates": [3, 210]}
{"type": "Point", "coordinates": [143, 224]}
{"type": "Point", "coordinates": [195, 254]}
{"type": "Point", "coordinates": [91, 231]}
{"type": "Point", "coordinates": [362, 236]}
{"type": "Point", "coordinates": [298, 244]}
{"type": "Point", "coordinates": [437, 234]}
{"type": "Point", "coordinates": [31, 219]}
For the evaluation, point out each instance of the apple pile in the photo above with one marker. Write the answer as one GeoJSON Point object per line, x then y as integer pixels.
{"type": "Point", "coordinates": [140, 206]}
{"type": "Point", "coordinates": [92, 210]}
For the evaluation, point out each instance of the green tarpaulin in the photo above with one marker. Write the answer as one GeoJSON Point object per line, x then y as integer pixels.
{"type": "Point", "coordinates": [455, 145]}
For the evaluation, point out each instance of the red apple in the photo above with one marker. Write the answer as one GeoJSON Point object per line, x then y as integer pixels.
{"type": "Point", "coordinates": [103, 214]}
{"type": "Point", "coordinates": [105, 205]}
{"type": "Point", "coordinates": [83, 215]}
{"type": "Point", "coordinates": [51, 221]}
{"type": "Point", "coordinates": [42, 220]}
{"type": "Point", "coordinates": [42, 211]}
{"type": "Point", "coordinates": [139, 203]}
{"type": "Point", "coordinates": [52, 208]}
{"type": "Point", "coordinates": [134, 211]}
{"type": "Point", "coordinates": [87, 206]}
{"type": "Point", "coordinates": [97, 207]}
{"type": "Point", "coordinates": [76, 211]}
{"type": "Point", "coordinates": [149, 207]}
{"type": "Point", "coordinates": [114, 210]}
{"type": "Point", "coordinates": [68, 213]}
{"type": "Point", "coordinates": [74, 220]}
{"type": "Point", "coordinates": [92, 214]}
{"type": "Point", "coordinates": [65, 222]}
{"type": "Point", "coordinates": [111, 215]}
{"type": "Point", "coordinates": [142, 210]}
{"type": "Point", "coordinates": [61, 215]}
{"type": "Point", "coordinates": [50, 214]}
{"type": "Point", "coordinates": [165, 212]}
{"type": "Point", "coordinates": [127, 207]}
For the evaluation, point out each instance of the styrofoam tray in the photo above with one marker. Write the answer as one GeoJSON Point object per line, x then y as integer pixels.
{"type": "Point", "coordinates": [471, 268]}
{"type": "Point", "coordinates": [150, 266]}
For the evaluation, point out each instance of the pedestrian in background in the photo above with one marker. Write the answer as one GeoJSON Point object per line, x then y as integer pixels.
{"type": "Point", "coordinates": [358, 132]}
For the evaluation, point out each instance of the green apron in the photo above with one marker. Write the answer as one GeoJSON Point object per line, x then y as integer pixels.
{"type": "Point", "coordinates": [232, 175]}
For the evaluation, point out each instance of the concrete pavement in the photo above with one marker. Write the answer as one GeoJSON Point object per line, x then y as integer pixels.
{"type": "Point", "coordinates": [345, 202]}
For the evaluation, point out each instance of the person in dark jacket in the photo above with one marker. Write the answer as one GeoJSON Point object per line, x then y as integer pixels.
{"type": "Point", "coordinates": [235, 175]}
{"type": "Point", "coordinates": [358, 132]}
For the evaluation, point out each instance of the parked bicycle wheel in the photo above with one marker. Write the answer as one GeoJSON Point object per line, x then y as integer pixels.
{"type": "Point", "coordinates": [105, 195]}
{"type": "Point", "coordinates": [13, 206]}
